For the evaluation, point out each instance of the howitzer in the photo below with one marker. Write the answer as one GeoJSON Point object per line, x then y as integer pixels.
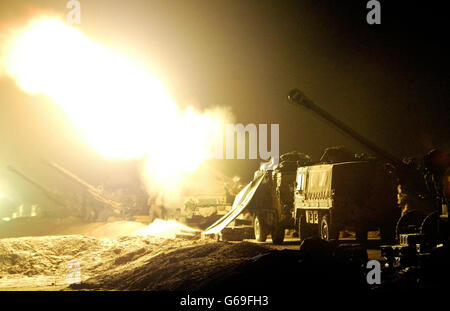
{"type": "Point", "coordinates": [47, 192]}
{"type": "Point", "coordinates": [85, 185]}
{"type": "Point", "coordinates": [295, 96]}
{"type": "Point", "coordinates": [410, 178]}
{"type": "Point", "coordinates": [424, 225]}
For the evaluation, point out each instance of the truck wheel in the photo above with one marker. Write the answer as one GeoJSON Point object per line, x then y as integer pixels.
{"type": "Point", "coordinates": [429, 227]}
{"type": "Point", "coordinates": [278, 234]}
{"type": "Point", "coordinates": [326, 230]}
{"type": "Point", "coordinates": [260, 229]}
{"type": "Point", "coordinates": [304, 230]}
{"type": "Point", "coordinates": [409, 222]}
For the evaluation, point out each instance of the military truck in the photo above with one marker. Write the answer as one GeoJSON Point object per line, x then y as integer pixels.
{"type": "Point", "coordinates": [420, 191]}
{"type": "Point", "coordinates": [201, 210]}
{"type": "Point", "coordinates": [199, 207]}
{"type": "Point", "coordinates": [342, 190]}
{"type": "Point", "coordinates": [359, 196]}
{"type": "Point", "coordinates": [324, 198]}
{"type": "Point", "coordinates": [272, 204]}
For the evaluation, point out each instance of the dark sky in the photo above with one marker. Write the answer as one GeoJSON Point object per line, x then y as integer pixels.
{"type": "Point", "coordinates": [388, 81]}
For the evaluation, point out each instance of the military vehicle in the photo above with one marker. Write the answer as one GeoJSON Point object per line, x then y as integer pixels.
{"type": "Point", "coordinates": [342, 190]}
{"type": "Point", "coordinates": [264, 205]}
{"type": "Point", "coordinates": [358, 195]}
{"type": "Point", "coordinates": [62, 203]}
{"type": "Point", "coordinates": [90, 204]}
{"type": "Point", "coordinates": [423, 230]}
{"type": "Point", "coordinates": [323, 199]}
{"type": "Point", "coordinates": [272, 204]}
{"type": "Point", "coordinates": [421, 191]}
{"type": "Point", "coordinates": [201, 210]}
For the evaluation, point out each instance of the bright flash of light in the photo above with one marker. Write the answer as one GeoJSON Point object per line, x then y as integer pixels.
{"type": "Point", "coordinates": [122, 109]}
{"type": "Point", "coordinates": [1, 196]}
{"type": "Point", "coordinates": [165, 229]}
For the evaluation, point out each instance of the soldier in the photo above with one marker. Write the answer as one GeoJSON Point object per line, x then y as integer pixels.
{"type": "Point", "coordinates": [232, 189]}
{"type": "Point", "coordinates": [156, 207]}
{"type": "Point", "coordinates": [437, 166]}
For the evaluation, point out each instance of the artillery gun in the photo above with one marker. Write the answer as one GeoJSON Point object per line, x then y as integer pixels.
{"type": "Point", "coordinates": [201, 209]}
{"type": "Point", "coordinates": [57, 199]}
{"type": "Point", "coordinates": [92, 205]}
{"type": "Point", "coordinates": [341, 190]}
{"type": "Point", "coordinates": [423, 225]}
{"type": "Point", "coordinates": [100, 207]}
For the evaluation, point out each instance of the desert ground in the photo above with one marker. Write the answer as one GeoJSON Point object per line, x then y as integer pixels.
{"type": "Point", "coordinates": [66, 254]}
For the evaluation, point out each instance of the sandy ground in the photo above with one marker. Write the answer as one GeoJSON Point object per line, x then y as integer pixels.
{"type": "Point", "coordinates": [23, 227]}
{"type": "Point", "coordinates": [117, 256]}
{"type": "Point", "coordinates": [66, 251]}
{"type": "Point", "coordinates": [53, 262]}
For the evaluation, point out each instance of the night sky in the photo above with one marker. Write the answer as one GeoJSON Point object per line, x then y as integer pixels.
{"type": "Point", "coordinates": [390, 81]}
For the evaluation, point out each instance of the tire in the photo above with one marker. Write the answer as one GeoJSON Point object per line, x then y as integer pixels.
{"type": "Point", "coordinates": [304, 230]}
{"type": "Point", "coordinates": [278, 234]}
{"type": "Point", "coordinates": [327, 231]}
{"type": "Point", "coordinates": [260, 229]}
{"type": "Point", "coordinates": [429, 226]}
{"type": "Point", "coordinates": [409, 222]}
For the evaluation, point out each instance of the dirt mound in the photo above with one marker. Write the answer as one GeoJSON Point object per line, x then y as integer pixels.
{"type": "Point", "coordinates": [187, 268]}
{"type": "Point", "coordinates": [42, 255]}
{"type": "Point", "coordinates": [47, 261]}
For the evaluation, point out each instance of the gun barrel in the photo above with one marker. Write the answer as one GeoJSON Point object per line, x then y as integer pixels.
{"type": "Point", "coordinates": [296, 97]}
{"type": "Point", "coordinates": [70, 175]}
{"type": "Point", "coordinates": [91, 189]}
{"type": "Point", "coordinates": [44, 190]}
